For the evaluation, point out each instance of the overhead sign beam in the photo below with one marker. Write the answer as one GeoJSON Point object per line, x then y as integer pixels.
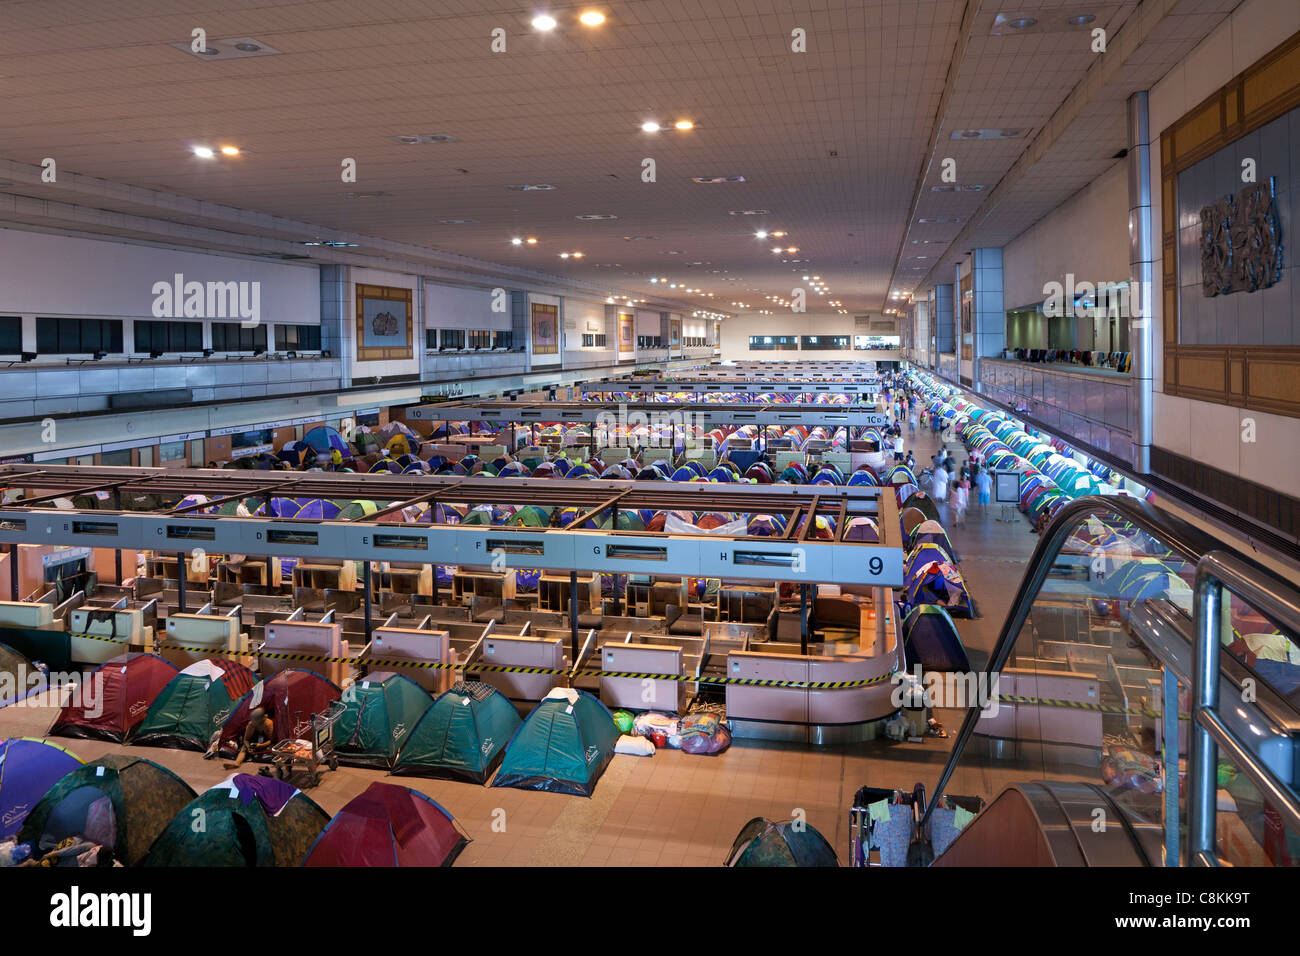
{"type": "Point", "coordinates": [650, 413]}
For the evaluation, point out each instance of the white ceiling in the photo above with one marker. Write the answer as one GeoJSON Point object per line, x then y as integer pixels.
{"type": "Point", "coordinates": [99, 87]}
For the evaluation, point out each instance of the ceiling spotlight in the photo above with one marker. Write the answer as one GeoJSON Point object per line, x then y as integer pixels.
{"type": "Point", "coordinates": [229, 150]}
{"type": "Point", "coordinates": [653, 279]}
{"type": "Point", "coordinates": [531, 240]}
{"type": "Point", "coordinates": [792, 249]}
{"type": "Point", "coordinates": [564, 255]}
{"type": "Point", "coordinates": [592, 18]}
{"type": "Point", "coordinates": [778, 234]}
{"type": "Point", "coordinates": [516, 241]}
{"type": "Point", "coordinates": [609, 301]}
{"type": "Point", "coordinates": [543, 22]}
{"type": "Point", "coordinates": [247, 47]}
{"type": "Point", "coordinates": [776, 248]}
{"type": "Point", "coordinates": [1081, 20]}
{"type": "Point", "coordinates": [684, 125]}
{"type": "Point", "coordinates": [577, 255]}
{"type": "Point", "coordinates": [1021, 23]}
{"type": "Point", "coordinates": [649, 127]}
{"type": "Point", "coordinates": [204, 152]}
{"type": "Point", "coordinates": [761, 234]}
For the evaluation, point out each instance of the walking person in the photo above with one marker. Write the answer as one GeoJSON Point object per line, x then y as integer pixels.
{"type": "Point", "coordinates": [984, 486]}
{"type": "Point", "coordinates": [960, 498]}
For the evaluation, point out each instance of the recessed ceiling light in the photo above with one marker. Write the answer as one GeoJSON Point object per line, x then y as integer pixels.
{"type": "Point", "coordinates": [609, 301]}
{"type": "Point", "coordinates": [987, 133]}
{"type": "Point", "coordinates": [232, 48]}
{"type": "Point", "coordinates": [564, 255]}
{"type": "Point", "coordinates": [204, 152]}
{"type": "Point", "coordinates": [649, 127]}
{"type": "Point", "coordinates": [247, 47]}
{"type": "Point", "coordinates": [717, 179]}
{"type": "Point", "coordinates": [516, 241]}
{"type": "Point", "coordinates": [592, 18]}
{"type": "Point", "coordinates": [792, 249]}
{"type": "Point", "coordinates": [531, 240]}
{"type": "Point", "coordinates": [683, 125]}
{"type": "Point", "coordinates": [577, 255]}
{"type": "Point", "coordinates": [423, 139]}
{"type": "Point", "coordinates": [761, 234]}
{"type": "Point", "coordinates": [1082, 20]}
{"type": "Point", "coordinates": [543, 22]}
{"type": "Point", "coordinates": [653, 279]}
{"type": "Point", "coordinates": [229, 150]}
{"type": "Point", "coordinates": [595, 217]}
{"type": "Point", "coordinates": [638, 238]}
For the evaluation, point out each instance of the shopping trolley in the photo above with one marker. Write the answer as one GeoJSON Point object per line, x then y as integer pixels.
{"type": "Point", "coordinates": [310, 747]}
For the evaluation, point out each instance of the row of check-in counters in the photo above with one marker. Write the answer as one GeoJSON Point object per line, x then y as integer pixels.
{"type": "Point", "coordinates": [437, 644]}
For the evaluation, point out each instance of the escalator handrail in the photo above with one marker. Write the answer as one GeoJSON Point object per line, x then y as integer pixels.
{"type": "Point", "coordinates": [1216, 572]}
{"type": "Point", "coordinates": [1189, 541]}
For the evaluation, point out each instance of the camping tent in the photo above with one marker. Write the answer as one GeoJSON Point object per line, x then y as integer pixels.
{"type": "Point", "coordinates": [119, 802]}
{"type": "Point", "coordinates": [194, 705]}
{"type": "Point", "coordinates": [290, 698]}
{"type": "Point", "coordinates": [387, 825]}
{"type": "Point", "coordinates": [247, 821]}
{"type": "Point", "coordinates": [379, 711]}
{"type": "Point", "coordinates": [16, 671]}
{"type": "Point", "coordinates": [938, 583]}
{"type": "Point", "coordinates": [762, 842]}
{"type": "Point", "coordinates": [563, 746]}
{"type": "Point", "coordinates": [28, 768]}
{"type": "Point", "coordinates": [114, 698]}
{"type": "Point", "coordinates": [930, 639]}
{"type": "Point", "coordinates": [462, 736]}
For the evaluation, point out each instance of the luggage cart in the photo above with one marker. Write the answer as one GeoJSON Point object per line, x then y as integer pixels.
{"type": "Point", "coordinates": [317, 731]}
{"type": "Point", "coordinates": [899, 840]}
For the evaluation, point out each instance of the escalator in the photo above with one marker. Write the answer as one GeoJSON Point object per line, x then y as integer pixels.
{"type": "Point", "coordinates": [1141, 706]}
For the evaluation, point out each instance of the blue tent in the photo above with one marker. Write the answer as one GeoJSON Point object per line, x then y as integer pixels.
{"type": "Point", "coordinates": [28, 768]}
{"type": "Point", "coordinates": [930, 639]}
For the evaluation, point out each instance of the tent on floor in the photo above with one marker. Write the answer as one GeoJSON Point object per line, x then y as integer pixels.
{"type": "Point", "coordinates": [119, 802]}
{"type": "Point", "coordinates": [13, 669]}
{"type": "Point", "coordinates": [562, 747]}
{"type": "Point", "coordinates": [379, 712]}
{"type": "Point", "coordinates": [387, 825]}
{"type": "Point", "coordinates": [28, 768]}
{"type": "Point", "coordinates": [463, 736]}
{"type": "Point", "coordinates": [194, 705]}
{"type": "Point", "coordinates": [248, 820]}
{"type": "Point", "coordinates": [930, 639]}
{"type": "Point", "coordinates": [109, 703]}
{"type": "Point", "coordinates": [923, 503]}
{"type": "Point", "coordinates": [938, 583]}
{"type": "Point", "coordinates": [930, 532]}
{"type": "Point", "coordinates": [290, 698]}
{"type": "Point", "coordinates": [763, 842]}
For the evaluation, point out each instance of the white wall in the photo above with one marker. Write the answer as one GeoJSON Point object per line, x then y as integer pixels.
{"type": "Point", "coordinates": [1204, 431]}
{"type": "Point", "coordinates": [1086, 235]}
{"type": "Point", "coordinates": [457, 307]}
{"type": "Point", "coordinates": [736, 333]}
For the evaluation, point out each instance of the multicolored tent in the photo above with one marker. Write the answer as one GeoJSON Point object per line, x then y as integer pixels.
{"type": "Point", "coordinates": [763, 842]}
{"type": "Point", "coordinates": [194, 705]}
{"type": "Point", "coordinates": [387, 825]}
{"type": "Point", "coordinates": [116, 697]}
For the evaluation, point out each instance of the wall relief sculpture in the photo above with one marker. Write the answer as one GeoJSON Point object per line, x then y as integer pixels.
{"type": "Point", "coordinates": [385, 323]}
{"type": "Point", "coordinates": [1241, 241]}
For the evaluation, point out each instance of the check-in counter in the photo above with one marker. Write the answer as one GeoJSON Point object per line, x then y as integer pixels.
{"type": "Point", "coordinates": [1044, 724]}
{"type": "Point", "coordinates": [99, 634]}
{"type": "Point", "coordinates": [203, 636]}
{"type": "Point", "coordinates": [513, 651]}
{"type": "Point", "coordinates": [642, 693]}
{"type": "Point", "coordinates": [391, 644]}
{"type": "Point", "coordinates": [312, 638]}
{"type": "Point", "coordinates": [772, 713]}
{"type": "Point", "coordinates": [26, 614]}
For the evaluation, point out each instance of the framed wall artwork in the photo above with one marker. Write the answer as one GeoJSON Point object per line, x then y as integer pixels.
{"type": "Point", "coordinates": [384, 318]}
{"type": "Point", "coordinates": [675, 333]}
{"type": "Point", "coordinates": [626, 326]}
{"type": "Point", "coordinates": [546, 336]}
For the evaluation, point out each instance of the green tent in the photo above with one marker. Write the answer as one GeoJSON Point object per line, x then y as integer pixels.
{"type": "Point", "coordinates": [462, 736]}
{"type": "Point", "coordinates": [243, 821]}
{"type": "Point", "coordinates": [764, 843]}
{"type": "Point", "coordinates": [194, 705]}
{"type": "Point", "coordinates": [119, 802]}
{"type": "Point", "coordinates": [563, 746]}
{"type": "Point", "coordinates": [379, 713]}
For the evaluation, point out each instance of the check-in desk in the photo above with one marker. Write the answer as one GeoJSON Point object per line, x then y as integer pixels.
{"type": "Point", "coordinates": [637, 693]}
{"type": "Point", "coordinates": [203, 636]}
{"type": "Point", "coordinates": [389, 645]}
{"type": "Point", "coordinates": [312, 638]}
{"type": "Point", "coordinates": [26, 614]}
{"type": "Point", "coordinates": [1013, 725]}
{"type": "Point", "coordinates": [516, 651]}
{"type": "Point", "coordinates": [99, 634]}
{"type": "Point", "coordinates": [812, 715]}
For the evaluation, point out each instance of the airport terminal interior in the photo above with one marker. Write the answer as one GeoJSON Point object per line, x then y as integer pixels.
{"type": "Point", "coordinates": [853, 433]}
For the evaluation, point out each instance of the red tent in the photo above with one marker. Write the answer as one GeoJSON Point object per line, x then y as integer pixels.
{"type": "Point", "coordinates": [389, 826]}
{"type": "Point", "coordinates": [115, 697]}
{"type": "Point", "coordinates": [290, 698]}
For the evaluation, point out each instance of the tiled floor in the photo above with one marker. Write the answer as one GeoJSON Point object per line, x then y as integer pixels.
{"type": "Point", "coordinates": [675, 808]}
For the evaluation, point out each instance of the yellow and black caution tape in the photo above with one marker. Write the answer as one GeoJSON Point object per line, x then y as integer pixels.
{"type": "Point", "coordinates": [504, 669]}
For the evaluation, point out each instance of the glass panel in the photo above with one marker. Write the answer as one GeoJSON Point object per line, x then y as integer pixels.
{"type": "Point", "coordinates": [1249, 831]}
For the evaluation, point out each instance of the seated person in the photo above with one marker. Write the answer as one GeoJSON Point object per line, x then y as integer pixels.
{"type": "Point", "coordinates": [259, 736]}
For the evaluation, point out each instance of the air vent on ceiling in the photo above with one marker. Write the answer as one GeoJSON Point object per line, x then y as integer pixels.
{"type": "Point", "coordinates": [956, 188]}
{"type": "Point", "coordinates": [748, 212]}
{"type": "Point", "coordinates": [988, 133]}
{"type": "Point", "coordinates": [717, 179]}
{"type": "Point", "coordinates": [424, 139]}
{"type": "Point", "coordinates": [595, 217]}
{"type": "Point", "coordinates": [941, 219]}
{"type": "Point", "coordinates": [533, 187]}
{"type": "Point", "coordinates": [236, 48]}
{"type": "Point", "coordinates": [456, 222]}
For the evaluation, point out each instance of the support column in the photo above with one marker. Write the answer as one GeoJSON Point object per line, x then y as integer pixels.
{"type": "Point", "coordinates": [1140, 273]}
{"type": "Point", "coordinates": [990, 318]}
{"type": "Point", "coordinates": [957, 340]}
